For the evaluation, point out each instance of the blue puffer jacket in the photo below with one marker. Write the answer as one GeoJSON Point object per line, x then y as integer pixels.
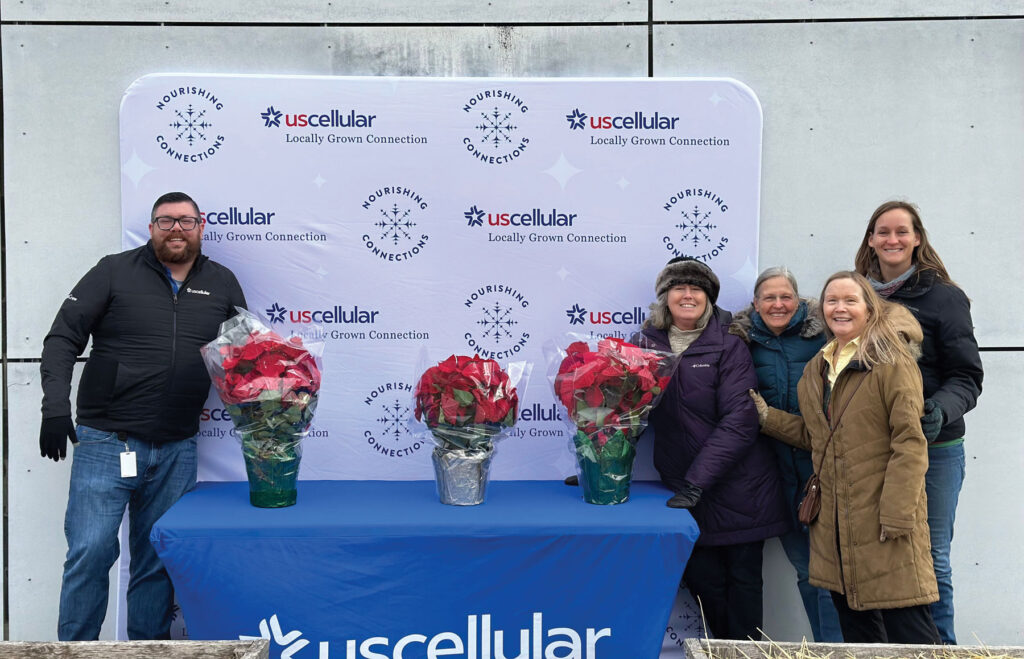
{"type": "Point", "coordinates": [779, 361]}
{"type": "Point", "coordinates": [706, 432]}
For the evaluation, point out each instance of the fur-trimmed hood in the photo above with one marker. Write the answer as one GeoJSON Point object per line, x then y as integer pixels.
{"type": "Point", "coordinates": [813, 323]}
{"type": "Point", "coordinates": [907, 326]}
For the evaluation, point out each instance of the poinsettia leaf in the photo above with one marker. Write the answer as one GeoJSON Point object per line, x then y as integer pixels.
{"type": "Point", "coordinates": [463, 397]}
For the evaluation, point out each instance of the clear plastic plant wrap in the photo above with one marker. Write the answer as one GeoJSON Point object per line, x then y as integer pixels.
{"type": "Point", "coordinates": [466, 404]}
{"type": "Point", "coordinates": [608, 388]}
{"type": "Point", "coordinates": [270, 386]}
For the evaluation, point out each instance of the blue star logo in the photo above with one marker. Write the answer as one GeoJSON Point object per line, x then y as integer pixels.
{"type": "Point", "coordinates": [276, 313]}
{"type": "Point", "coordinates": [271, 117]}
{"type": "Point", "coordinates": [475, 217]}
{"type": "Point", "coordinates": [576, 119]}
{"type": "Point", "coordinates": [576, 314]}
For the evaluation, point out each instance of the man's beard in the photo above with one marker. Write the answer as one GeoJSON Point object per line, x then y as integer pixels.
{"type": "Point", "coordinates": [166, 255]}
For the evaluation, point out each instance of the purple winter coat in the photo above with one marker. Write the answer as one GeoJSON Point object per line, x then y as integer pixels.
{"type": "Point", "coordinates": [706, 432]}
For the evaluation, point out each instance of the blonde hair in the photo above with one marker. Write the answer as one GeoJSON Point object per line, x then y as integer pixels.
{"type": "Point", "coordinates": [924, 256]}
{"type": "Point", "coordinates": [880, 341]}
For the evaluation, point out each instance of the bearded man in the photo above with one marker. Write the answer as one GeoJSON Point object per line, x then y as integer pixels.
{"type": "Point", "coordinates": [148, 310]}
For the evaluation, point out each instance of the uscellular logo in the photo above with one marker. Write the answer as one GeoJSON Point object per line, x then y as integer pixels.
{"type": "Point", "coordinates": [529, 217]}
{"type": "Point", "coordinates": [636, 120]}
{"type": "Point", "coordinates": [248, 223]}
{"type": "Point", "coordinates": [495, 132]}
{"type": "Point", "coordinates": [479, 640]}
{"type": "Point", "coordinates": [390, 436]}
{"type": "Point", "coordinates": [696, 225]}
{"type": "Point", "coordinates": [396, 215]}
{"type": "Point", "coordinates": [192, 114]}
{"type": "Point", "coordinates": [599, 323]}
{"type": "Point", "coordinates": [580, 315]}
{"type": "Point", "coordinates": [321, 118]}
{"type": "Point", "coordinates": [495, 321]}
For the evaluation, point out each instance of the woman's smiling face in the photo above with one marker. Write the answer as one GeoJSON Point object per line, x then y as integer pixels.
{"type": "Point", "coordinates": [894, 240]}
{"type": "Point", "coordinates": [846, 312]}
{"type": "Point", "coordinates": [686, 303]}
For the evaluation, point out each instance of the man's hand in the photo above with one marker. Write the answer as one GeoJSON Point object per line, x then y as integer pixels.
{"type": "Point", "coordinates": [54, 435]}
{"type": "Point", "coordinates": [933, 420]}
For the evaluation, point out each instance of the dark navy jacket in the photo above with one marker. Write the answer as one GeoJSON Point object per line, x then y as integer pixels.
{"type": "Point", "coordinates": [706, 432]}
{"type": "Point", "coordinates": [950, 363]}
{"type": "Point", "coordinates": [145, 375]}
{"type": "Point", "coordinates": [779, 361]}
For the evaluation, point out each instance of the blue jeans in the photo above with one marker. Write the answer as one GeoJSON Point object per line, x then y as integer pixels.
{"type": "Point", "coordinates": [942, 482]}
{"type": "Point", "coordinates": [821, 612]}
{"type": "Point", "coordinates": [96, 503]}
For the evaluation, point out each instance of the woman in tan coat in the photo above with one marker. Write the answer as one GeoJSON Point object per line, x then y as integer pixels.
{"type": "Point", "coordinates": [861, 403]}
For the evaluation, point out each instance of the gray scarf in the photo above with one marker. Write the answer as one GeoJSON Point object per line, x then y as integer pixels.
{"type": "Point", "coordinates": [885, 289]}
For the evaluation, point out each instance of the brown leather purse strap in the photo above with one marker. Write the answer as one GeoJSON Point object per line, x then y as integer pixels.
{"type": "Point", "coordinates": [833, 427]}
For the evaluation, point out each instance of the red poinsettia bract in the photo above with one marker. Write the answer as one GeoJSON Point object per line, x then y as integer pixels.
{"type": "Point", "coordinates": [266, 366]}
{"type": "Point", "coordinates": [463, 391]}
{"type": "Point", "coordinates": [612, 388]}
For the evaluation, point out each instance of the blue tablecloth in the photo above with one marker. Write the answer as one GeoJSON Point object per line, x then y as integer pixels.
{"type": "Point", "coordinates": [371, 569]}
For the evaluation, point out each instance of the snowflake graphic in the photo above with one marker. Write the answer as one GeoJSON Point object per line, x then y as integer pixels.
{"type": "Point", "coordinates": [190, 125]}
{"type": "Point", "coordinates": [393, 418]}
{"type": "Point", "coordinates": [496, 128]}
{"type": "Point", "coordinates": [696, 226]}
{"type": "Point", "coordinates": [575, 314]}
{"type": "Point", "coordinates": [475, 217]}
{"type": "Point", "coordinates": [276, 313]}
{"type": "Point", "coordinates": [576, 119]}
{"type": "Point", "coordinates": [497, 322]}
{"type": "Point", "coordinates": [395, 223]}
{"type": "Point", "coordinates": [271, 117]}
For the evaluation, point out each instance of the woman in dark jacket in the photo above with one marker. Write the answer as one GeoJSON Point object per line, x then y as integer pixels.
{"type": "Point", "coordinates": [783, 333]}
{"type": "Point", "coordinates": [707, 449]}
{"type": "Point", "coordinates": [903, 267]}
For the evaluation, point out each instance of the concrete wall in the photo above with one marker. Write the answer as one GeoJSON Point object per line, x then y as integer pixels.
{"type": "Point", "coordinates": [863, 101]}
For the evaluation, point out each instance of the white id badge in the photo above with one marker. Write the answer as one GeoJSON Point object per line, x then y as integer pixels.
{"type": "Point", "coordinates": [128, 464]}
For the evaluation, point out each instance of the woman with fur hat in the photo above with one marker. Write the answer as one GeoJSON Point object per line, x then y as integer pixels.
{"type": "Point", "coordinates": [783, 332]}
{"type": "Point", "coordinates": [706, 448]}
{"type": "Point", "coordinates": [902, 266]}
{"type": "Point", "coordinates": [860, 408]}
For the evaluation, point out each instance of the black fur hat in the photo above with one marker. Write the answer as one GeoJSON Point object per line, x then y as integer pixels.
{"type": "Point", "coordinates": [688, 270]}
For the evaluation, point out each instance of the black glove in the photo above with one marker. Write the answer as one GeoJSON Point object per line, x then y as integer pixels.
{"type": "Point", "coordinates": [54, 435]}
{"type": "Point", "coordinates": [686, 497]}
{"type": "Point", "coordinates": [933, 420]}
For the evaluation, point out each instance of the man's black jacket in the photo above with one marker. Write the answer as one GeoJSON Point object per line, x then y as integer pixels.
{"type": "Point", "coordinates": [144, 375]}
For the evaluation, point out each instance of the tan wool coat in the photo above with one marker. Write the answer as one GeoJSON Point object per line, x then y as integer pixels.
{"type": "Point", "coordinates": [872, 473]}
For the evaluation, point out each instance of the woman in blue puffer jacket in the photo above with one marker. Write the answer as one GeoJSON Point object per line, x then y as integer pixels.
{"type": "Point", "coordinates": [783, 332]}
{"type": "Point", "coordinates": [707, 448]}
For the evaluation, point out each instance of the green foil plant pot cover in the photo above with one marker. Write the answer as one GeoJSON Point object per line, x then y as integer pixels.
{"type": "Point", "coordinates": [605, 472]}
{"type": "Point", "coordinates": [272, 482]}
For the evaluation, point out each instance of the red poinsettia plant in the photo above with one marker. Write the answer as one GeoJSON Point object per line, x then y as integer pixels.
{"type": "Point", "coordinates": [608, 392]}
{"type": "Point", "coordinates": [269, 384]}
{"type": "Point", "coordinates": [466, 401]}
{"type": "Point", "coordinates": [611, 389]}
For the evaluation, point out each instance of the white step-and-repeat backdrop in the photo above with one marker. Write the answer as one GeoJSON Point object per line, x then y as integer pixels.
{"type": "Point", "coordinates": [383, 216]}
{"type": "Point", "coordinates": [489, 216]}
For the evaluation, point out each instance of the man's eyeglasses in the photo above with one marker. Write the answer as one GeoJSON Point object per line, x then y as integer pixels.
{"type": "Point", "coordinates": [187, 223]}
